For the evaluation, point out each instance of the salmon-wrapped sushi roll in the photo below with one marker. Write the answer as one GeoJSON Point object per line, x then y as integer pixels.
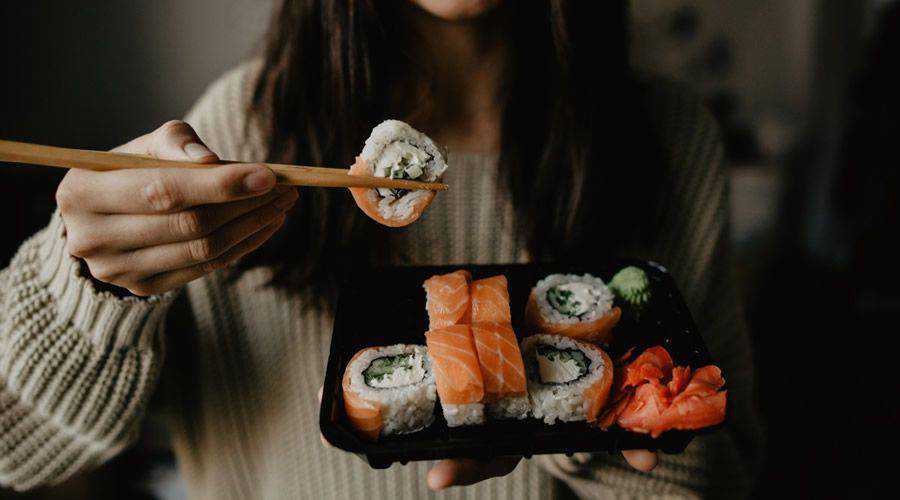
{"type": "Point", "coordinates": [568, 380]}
{"type": "Point", "coordinates": [457, 374]}
{"type": "Point", "coordinates": [490, 300]}
{"type": "Point", "coordinates": [505, 389]}
{"type": "Point", "coordinates": [389, 390]}
{"type": "Point", "coordinates": [397, 151]}
{"type": "Point", "coordinates": [580, 307]}
{"type": "Point", "coordinates": [447, 299]}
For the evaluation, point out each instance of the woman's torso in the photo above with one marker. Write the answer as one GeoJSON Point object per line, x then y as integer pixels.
{"type": "Point", "coordinates": [244, 418]}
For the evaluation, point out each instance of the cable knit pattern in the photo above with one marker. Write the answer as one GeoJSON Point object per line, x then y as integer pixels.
{"type": "Point", "coordinates": [77, 366]}
{"type": "Point", "coordinates": [245, 361]}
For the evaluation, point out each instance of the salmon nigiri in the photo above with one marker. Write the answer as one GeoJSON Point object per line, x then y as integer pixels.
{"type": "Point", "coordinates": [502, 368]}
{"type": "Point", "coordinates": [490, 300]}
{"type": "Point", "coordinates": [457, 374]}
{"type": "Point", "coordinates": [398, 151]}
{"type": "Point", "coordinates": [447, 299]}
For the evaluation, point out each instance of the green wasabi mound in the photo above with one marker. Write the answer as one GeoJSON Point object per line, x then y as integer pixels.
{"type": "Point", "coordinates": [631, 285]}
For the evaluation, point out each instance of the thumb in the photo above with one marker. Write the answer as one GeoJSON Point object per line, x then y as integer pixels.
{"type": "Point", "coordinates": [175, 140]}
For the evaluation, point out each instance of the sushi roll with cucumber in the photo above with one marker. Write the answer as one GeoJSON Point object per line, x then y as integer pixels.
{"type": "Point", "coordinates": [396, 150]}
{"type": "Point", "coordinates": [580, 307]}
{"type": "Point", "coordinates": [568, 380]}
{"type": "Point", "coordinates": [389, 390]}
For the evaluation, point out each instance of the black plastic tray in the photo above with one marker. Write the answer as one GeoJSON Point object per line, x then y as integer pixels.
{"type": "Point", "coordinates": [388, 307]}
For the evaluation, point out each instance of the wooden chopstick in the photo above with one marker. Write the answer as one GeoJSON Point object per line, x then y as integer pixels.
{"type": "Point", "coordinates": [101, 161]}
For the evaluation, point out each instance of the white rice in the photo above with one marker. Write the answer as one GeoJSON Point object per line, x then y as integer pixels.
{"type": "Point", "coordinates": [565, 402]}
{"type": "Point", "coordinates": [511, 407]}
{"type": "Point", "coordinates": [380, 145]}
{"type": "Point", "coordinates": [404, 409]}
{"type": "Point", "coordinates": [465, 414]}
{"type": "Point", "coordinates": [603, 298]}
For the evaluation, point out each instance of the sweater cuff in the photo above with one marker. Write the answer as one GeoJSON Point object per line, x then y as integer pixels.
{"type": "Point", "coordinates": [104, 318]}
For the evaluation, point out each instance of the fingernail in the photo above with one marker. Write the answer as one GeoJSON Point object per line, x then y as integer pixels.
{"type": "Point", "coordinates": [260, 180]}
{"type": "Point", "coordinates": [198, 151]}
{"type": "Point", "coordinates": [286, 200]}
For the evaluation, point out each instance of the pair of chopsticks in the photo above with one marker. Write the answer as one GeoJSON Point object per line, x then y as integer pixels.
{"type": "Point", "coordinates": [102, 161]}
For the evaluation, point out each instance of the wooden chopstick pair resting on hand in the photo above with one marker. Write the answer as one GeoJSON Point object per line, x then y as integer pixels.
{"type": "Point", "coordinates": [291, 175]}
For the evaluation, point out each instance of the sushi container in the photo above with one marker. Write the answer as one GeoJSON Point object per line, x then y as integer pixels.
{"type": "Point", "coordinates": [373, 311]}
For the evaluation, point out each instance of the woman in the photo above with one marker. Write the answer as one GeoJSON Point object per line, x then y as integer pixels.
{"type": "Point", "coordinates": [548, 162]}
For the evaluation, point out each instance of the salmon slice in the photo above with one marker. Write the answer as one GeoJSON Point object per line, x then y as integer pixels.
{"type": "Point", "coordinates": [368, 199]}
{"type": "Point", "coordinates": [447, 299]}
{"type": "Point", "coordinates": [364, 415]}
{"type": "Point", "coordinates": [500, 360]}
{"type": "Point", "coordinates": [490, 300]}
{"type": "Point", "coordinates": [454, 359]}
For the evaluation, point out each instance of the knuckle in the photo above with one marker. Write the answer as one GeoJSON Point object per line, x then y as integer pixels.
{"type": "Point", "coordinates": [226, 181]}
{"type": "Point", "coordinates": [103, 272]}
{"type": "Point", "coordinates": [203, 249]}
{"type": "Point", "coordinates": [162, 194]}
{"type": "Point", "coordinates": [82, 244]}
{"type": "Point", "coordinates": [174, 128]}
{"type": "Point", "coordinates": [189, 223]}
{"type": "Point", "coordinates": [65, 195]}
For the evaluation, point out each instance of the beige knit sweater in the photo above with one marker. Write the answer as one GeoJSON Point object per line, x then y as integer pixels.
{"type": "Point", "coordinates": [237, 365]}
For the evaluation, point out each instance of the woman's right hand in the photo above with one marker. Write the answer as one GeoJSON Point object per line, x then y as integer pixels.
{"type": "Point", "coordinates": [154, 230]}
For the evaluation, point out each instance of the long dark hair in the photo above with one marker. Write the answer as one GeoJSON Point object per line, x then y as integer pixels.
{"type": "Point", "coordinates": [581, 156]}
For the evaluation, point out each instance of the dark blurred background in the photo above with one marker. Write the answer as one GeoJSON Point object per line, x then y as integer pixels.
{"type": "Point", "coordinates": [808, 100]}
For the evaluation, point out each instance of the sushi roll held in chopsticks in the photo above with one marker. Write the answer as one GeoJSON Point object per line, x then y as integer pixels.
{"type": "Point", "coordinates": [389, 390]}
{"type": "Point", "coordinates": [580, 307]}
{"type": "Point", "coordinates": [568, 380]}
{"type": "Point", "coordinates": [398, 151]}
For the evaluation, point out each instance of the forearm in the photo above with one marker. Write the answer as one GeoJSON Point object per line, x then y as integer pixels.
{"type": "Point", "coordinates": [77, 366]}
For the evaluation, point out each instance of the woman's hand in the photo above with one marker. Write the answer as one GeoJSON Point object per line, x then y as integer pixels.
{"type": "Point", "coordinates": [641, 460]}
{"type": "Point", "coordinates": [154, 230]}
{"type": "Point", "coordinates": [463, 472]}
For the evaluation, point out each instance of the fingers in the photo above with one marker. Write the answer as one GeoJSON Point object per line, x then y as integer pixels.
{"type": "Point", "coordinates": [161, 191]}
{"type": "Point", "coordinates": [641, 460]}
{"type": "Point", "coordinates": [122, 233]}
{"type": "Point", "coordinates": [170, 257]}
{"type": "Point", "coordinates": [462, 472]}
{"type": "Point", "coordinates": [171, 280]}
{"type": "Point", "coordinates": [167, 190]}
{"type": "Point", "coordinates": [174, 140]}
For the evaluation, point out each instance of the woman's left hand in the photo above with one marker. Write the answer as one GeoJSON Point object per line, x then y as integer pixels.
{"type": "Point", "coordinates": [466, 471]}
{"type": "Point", "coordinates": [463, 472]}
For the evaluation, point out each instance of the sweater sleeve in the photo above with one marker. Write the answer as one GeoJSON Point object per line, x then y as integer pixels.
{"type": "Point", "coordinates": [77, 365]}
{"type": "Point", "coordinates": [693, 244]}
